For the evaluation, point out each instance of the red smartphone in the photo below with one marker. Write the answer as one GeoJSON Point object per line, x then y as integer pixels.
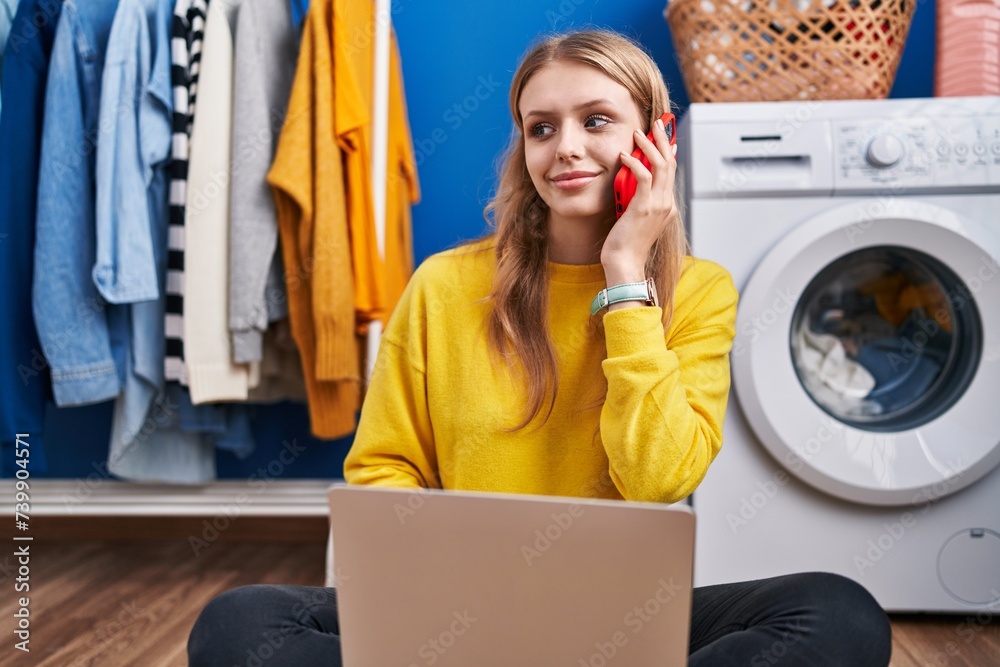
{"type": "Point", "coordinates": [625, 183]}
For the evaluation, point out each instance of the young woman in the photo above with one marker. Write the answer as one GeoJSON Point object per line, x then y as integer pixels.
{"type": "Point", "coordinates": [494, 375]}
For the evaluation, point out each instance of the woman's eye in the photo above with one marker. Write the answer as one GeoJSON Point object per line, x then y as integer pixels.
{"type": "Point", "coordinates": [540, 130]}
{"type": "Point", "coordinates": [597, 121]}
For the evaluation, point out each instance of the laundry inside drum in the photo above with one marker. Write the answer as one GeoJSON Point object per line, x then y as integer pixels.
{"type": "Point", "coordinates": [886, 338]}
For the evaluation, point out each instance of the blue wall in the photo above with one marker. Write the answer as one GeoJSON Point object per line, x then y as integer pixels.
{"type": "Point", "coordinates": [458, 59]}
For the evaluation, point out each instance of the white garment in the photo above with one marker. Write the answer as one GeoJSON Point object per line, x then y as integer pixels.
{"type": "Point", "coordinates": [212, 375]}
{"type": "Point", "coordinates": [834, 379]}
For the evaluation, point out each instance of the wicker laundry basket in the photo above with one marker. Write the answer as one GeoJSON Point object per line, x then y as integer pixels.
{"type": "Point", "coordinates": [768, 50]}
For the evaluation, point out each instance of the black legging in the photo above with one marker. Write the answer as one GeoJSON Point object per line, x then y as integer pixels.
{"type": "Point", "coordinates": [811, 619]}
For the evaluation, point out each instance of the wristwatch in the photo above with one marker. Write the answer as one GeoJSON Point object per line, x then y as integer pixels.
{"type": "Point", "coordinates": [644, 291]}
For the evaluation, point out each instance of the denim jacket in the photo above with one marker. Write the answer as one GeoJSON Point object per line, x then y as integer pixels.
{"type": "Point", "coordinates": [70, 315]}
{"type": "Point", "coordinates": [24, 376]}
{"type": "Point", "coordinates": [132, 149]}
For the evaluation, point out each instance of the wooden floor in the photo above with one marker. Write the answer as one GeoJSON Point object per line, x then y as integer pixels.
{"type": "Point", "coordinates": [132, 602]}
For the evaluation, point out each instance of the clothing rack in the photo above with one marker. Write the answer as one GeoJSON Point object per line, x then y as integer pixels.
{"type": "Point", "coordinates": [98, 494]}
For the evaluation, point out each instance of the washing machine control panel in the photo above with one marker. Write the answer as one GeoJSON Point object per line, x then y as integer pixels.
{"type": "Point", "coordinates": [919, 153]}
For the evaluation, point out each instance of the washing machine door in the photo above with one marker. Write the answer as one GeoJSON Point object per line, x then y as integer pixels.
{"type": "Point", "coordinates": [867, 355]}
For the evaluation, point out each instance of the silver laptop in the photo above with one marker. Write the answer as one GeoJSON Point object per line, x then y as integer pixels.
{"type": "Point", "coordinates": [462, 579]}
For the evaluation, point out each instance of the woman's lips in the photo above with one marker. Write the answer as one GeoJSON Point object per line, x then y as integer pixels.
{"type": "Point", "coordinates": [573, 180]}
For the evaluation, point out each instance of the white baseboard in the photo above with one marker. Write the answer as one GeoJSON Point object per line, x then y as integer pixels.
{"type": "Point", "coordinates": [106, 497]}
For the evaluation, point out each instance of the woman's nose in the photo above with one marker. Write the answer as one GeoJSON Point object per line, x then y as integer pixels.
{"type": "Point", "coordinates": [570, 142]}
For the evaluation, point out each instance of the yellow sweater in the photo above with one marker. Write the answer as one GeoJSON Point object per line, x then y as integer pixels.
{"type": "Point", "coordinates": [377, 283]}
{"type": "Point", "coordinates": [336, 282]}
{"type": "Point", "coordinates": [436, 409]}
{"type": "Point", "coordinates": [308, 181]}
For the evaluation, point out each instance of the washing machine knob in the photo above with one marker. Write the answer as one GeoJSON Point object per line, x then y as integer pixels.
{"type": "Point", "coordinates": [884, 151]}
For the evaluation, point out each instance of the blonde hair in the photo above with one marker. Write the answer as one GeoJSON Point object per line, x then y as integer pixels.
{"type": "Point", "coordinates": [518, 320]}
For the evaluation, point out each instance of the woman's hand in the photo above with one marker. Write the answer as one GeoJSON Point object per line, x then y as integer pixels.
{"type": "Point", "coordinates": [627, 245]}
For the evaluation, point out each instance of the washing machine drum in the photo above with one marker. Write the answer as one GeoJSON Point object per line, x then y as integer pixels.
{"type": "Point", "coordinates": [867, 354]}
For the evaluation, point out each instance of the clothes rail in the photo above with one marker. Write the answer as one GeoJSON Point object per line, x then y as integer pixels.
{"type": "Point", "coordinates": [380, 147]}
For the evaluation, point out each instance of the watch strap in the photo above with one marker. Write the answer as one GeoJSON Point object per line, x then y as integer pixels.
{"type": "Point", "coordinates": [624, 292]}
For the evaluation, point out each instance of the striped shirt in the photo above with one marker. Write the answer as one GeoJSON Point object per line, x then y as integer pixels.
{"type": "Point", "coordinates": [187, 33]}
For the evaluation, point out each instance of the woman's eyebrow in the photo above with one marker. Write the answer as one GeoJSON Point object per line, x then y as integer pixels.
{"type": "Point", "coordinates": [578, 107]}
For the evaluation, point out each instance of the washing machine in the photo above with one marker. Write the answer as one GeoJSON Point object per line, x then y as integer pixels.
{"type": "Point", "coordinates": [863, 431]}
